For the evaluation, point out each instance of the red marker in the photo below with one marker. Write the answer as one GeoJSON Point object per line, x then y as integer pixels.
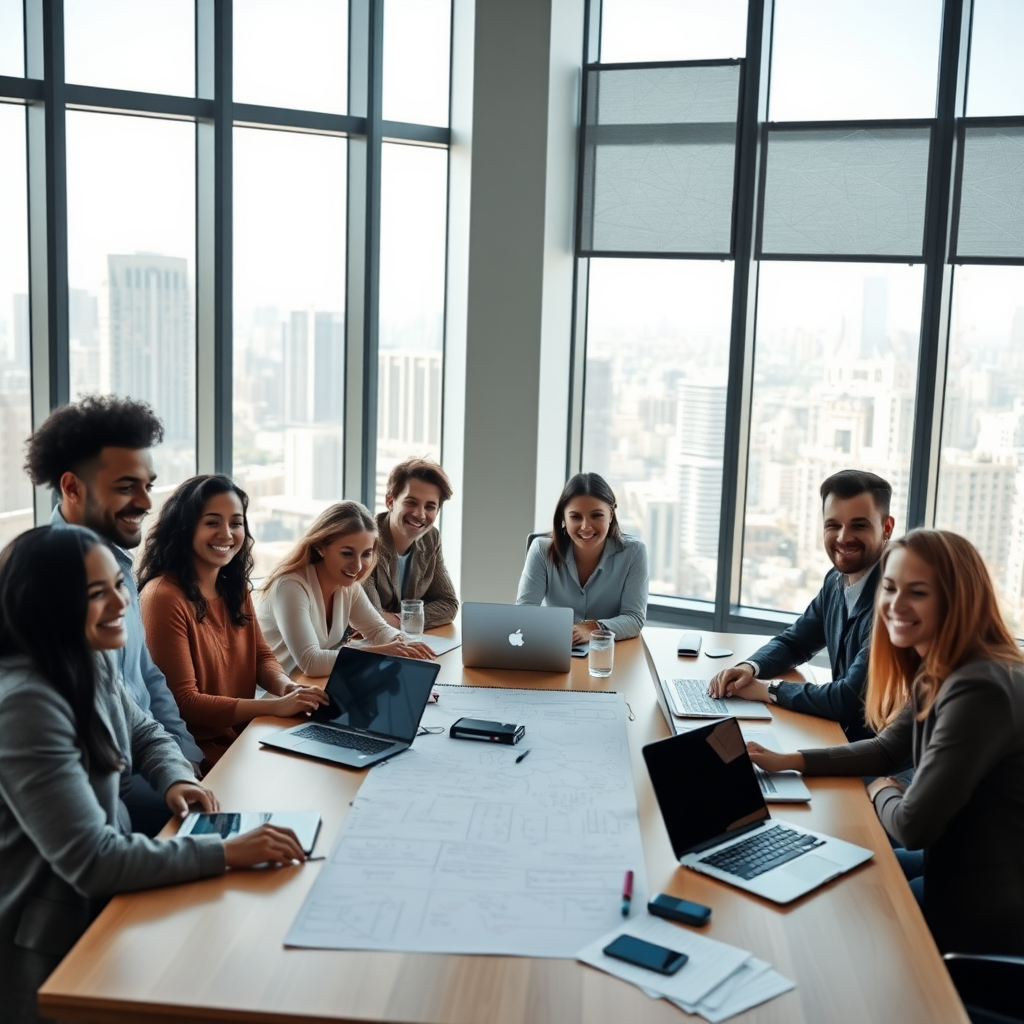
{"type": "Point", "coordinates": [627, 893]}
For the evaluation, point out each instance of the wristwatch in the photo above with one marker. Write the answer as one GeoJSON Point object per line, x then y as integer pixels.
{"type": "Point", "coordinates": [773, 690]}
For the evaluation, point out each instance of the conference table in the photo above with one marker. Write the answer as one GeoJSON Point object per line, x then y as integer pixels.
{"type": "Point", "coordinates": [858, 948]}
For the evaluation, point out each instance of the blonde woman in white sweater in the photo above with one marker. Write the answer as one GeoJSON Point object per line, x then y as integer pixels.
{"type": "Point", "coordinates": [314, 594]}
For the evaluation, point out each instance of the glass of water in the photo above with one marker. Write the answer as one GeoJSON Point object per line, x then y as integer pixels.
{"type": "Point", "coordinates": [602, 652]}
{"type": "Point", "coordinates": [412, 619]}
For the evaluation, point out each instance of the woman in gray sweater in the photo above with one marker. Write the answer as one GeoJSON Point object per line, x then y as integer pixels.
{"type": "Point", "coordinates": [946, 686]}
{"type": "Point", "coordinates": [69, 734]}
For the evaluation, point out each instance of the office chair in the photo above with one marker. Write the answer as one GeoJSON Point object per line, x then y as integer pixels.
{"type": "Point", "coordinates": [991, 987]}
{"type": "Point", "coordinates": [531, 537]}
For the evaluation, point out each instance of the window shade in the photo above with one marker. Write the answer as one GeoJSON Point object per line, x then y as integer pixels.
{"type": "Point", "coordinates": [845, 192]}
{"type": "Point", "coordinates": [992, 194]}
{"type": "Point", "coordinates": [659, 149]}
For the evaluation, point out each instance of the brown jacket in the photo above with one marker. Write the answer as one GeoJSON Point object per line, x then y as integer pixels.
{"type": "Point", "coordinates": [428, 578]}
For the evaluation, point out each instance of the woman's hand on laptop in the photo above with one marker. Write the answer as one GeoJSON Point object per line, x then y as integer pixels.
{"type": "Point", "coordinates": [267, 844]}
{"type": "Point", "coordinates": [403, 648]}
{"type": "Point", "coordinates": [770, 761]}
{"type": "Point", "coordinates": [581, 631]}
{"type": "Point", "coordinates": [297, 700]}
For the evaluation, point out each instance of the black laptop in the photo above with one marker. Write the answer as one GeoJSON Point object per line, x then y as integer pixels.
{"type": "Point", "coordinates": [376, 703]}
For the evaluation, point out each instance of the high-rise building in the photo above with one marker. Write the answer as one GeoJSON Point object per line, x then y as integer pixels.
{"type": "Point", "coordinates": [700, 430]}
{"type": "Point", "coordinates": [874, 318]}
{"type": "Point", "coordinates": [150, 341]}
{"type": "Point", "coordinates": [314, 367]}
{"type": "Point", "coordinates": [409, 398]}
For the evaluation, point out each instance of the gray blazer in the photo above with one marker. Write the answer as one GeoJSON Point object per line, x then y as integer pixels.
{"type": "Point", "coordinates": [965, 806]}
{"type": "Point", "coordinates": [65, 839]}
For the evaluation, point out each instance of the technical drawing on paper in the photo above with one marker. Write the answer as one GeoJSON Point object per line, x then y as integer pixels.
{"type": "Point", "coordinates": [454, 847]}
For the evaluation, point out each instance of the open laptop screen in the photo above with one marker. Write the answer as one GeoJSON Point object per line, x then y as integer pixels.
{"type": "Point", "coordinates": [380, 694]}
{"type": "Point", "coordinates": [705, 784]}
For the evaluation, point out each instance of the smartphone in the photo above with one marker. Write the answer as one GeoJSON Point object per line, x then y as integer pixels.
{"type": "Point", "coordinates": [676, 909]}
{"type": "Point", "coordinates": [645, 954]}
{"type": "Point", "coordinates": [689, 645]}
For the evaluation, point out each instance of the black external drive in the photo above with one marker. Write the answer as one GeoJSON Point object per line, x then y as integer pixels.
{"type": "Point", "coordinates": [490, 732]}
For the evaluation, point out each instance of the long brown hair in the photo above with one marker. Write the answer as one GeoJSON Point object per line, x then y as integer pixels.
{"type": "Point", "coordinates": [588, 485]}
{"type": "Point", "coordinates": [972, 628]}
{"type": "Point", "coordinates": [338, 520]}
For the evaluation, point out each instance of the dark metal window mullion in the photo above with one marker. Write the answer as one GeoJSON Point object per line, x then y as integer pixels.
{"type": "Point", "coordinates": [938, 278]}
{"type": "Point", "coordinates": [741, 343]}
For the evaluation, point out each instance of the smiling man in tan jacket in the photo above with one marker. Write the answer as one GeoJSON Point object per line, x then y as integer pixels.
{"type": "Point", "coordinates": [410, 564]}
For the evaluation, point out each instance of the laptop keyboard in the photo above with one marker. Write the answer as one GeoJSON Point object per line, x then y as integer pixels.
{"type": "Point", "coordinates": [692, 698]}
{"type": "Point", "coordinates": [761, 853]}
{"type": "Point", "coordinates": [339, 738]}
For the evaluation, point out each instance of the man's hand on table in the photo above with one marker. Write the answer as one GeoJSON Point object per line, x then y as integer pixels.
{"type": "Point", "coordinates": [738, 681]}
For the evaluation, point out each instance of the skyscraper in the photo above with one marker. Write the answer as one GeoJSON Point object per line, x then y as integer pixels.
{"type": "Point", "coordinates": [150, 343]}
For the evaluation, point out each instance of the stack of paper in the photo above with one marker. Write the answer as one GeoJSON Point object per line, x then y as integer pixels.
{"type": "Point", "coordinates": [718, 981]}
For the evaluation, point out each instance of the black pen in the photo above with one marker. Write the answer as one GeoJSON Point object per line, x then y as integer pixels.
{"type": "Point", "coordinates": [521, 756]}
{"type": "Point", "coordinates": [320, 857]}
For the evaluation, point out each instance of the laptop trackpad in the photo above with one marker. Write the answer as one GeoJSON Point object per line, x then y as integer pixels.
{"type": "Point", "coordinates": [812, 868]}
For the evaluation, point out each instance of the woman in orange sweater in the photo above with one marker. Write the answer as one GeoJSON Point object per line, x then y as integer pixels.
{"type": "Point", "coordinates": [197, 609]}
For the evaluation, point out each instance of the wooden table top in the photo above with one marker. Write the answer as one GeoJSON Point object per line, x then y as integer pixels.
{"type": "Point", "coordinates": [858, 949]}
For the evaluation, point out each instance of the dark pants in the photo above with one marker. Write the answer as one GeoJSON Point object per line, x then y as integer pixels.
{"type": "Point", "coordinates": [912, 862]}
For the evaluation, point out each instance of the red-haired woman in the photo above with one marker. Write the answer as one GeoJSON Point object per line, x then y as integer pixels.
{"type": "Point", "coordinates": [945, 685]}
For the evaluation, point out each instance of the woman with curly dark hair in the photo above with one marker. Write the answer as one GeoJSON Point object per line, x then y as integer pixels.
{"type": "Point", "coordinates": [200, 626]}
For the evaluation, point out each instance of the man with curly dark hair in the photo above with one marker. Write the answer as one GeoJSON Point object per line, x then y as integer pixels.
{"type": "Point", "coordinates": [95, 454]}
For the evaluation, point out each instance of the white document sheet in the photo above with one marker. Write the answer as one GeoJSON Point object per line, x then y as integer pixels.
{"type": "Point", "coordinates": [711, 962]}
{"type": "Point", "coordinates": [755, 982]}
{"type": "Point", "coordinates": [454, 847]}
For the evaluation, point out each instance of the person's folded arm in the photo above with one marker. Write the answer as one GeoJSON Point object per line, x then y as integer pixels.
{"type": "Point", "coordinates": [44, 783]}
{"type": "Point", "coordinates": [440, 605]}
{"type": "Point", "coordinates": [633, 609]}
{"type": "Point", "coordinates": [533, 584]}
{"type": "Point", "coordinates": [155, 754]}
{"type": "Point", "coordinates": [293, 614]}
{"type": "Point", "coordinates": [842, 700]}
{"type": "Point", "coordinates": [883, 754]}
{"type": "Point", "coordinates": [973, 725]}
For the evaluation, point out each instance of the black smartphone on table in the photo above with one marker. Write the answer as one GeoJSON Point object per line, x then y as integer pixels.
{"type": "Point", "coordinates": [675, 909]}
{"type": "Point", "coordinates": [645, 954]}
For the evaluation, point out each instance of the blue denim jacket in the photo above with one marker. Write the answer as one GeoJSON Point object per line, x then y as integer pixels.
{"type": "Point", "coordinates": [826, 623]}
{"type": "Point", "coordinates": [142, 679]}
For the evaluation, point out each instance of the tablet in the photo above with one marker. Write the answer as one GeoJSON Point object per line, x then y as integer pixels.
{"type": "Point", "coordinates": [226, 824]}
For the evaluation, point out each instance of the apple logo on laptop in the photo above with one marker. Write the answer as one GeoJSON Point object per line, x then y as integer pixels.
{"type": "Point", "coordinates": [516, 638]}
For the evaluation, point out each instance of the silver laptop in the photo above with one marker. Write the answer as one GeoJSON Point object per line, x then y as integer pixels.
{"type": "Point", "coordinates": [517, 636]}
{"type": "Point", "coordinates": [718, 823]}
{"type": "Point", "coordinates": [688, 698]}
{"type": "Point", "coordinates": [376, 703]}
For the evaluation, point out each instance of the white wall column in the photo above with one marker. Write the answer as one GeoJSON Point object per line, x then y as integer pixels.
{"type": "Point", "coordinates": [510, 270]}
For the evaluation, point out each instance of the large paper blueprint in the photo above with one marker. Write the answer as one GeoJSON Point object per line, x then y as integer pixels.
{"type": "Point", "coordinates": [453, 847]}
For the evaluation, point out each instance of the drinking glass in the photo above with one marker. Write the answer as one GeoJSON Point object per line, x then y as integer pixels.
{"type": "Point", "coordinates": [602, 653]}
{"type": "Point", "coordinates": [412, 618]}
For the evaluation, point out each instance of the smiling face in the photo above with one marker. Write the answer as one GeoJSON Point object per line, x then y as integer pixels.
{"type": "Point", "coordinates": [106, 601]}
{"type": "Point", "coordinates": [346, 560]}
{"type": "Point", "coordinates": [412, 512]}
{"type": "Point", "coordinates": [219, 534]}
{"type": "Point", "coordinates": [587, 521]}
{"type": "Point", "coordinates": [855, 533]}
{"type": "Point", "coordinates": [908, 601]}
{"type": "Point", "coordinates": [113, 496]}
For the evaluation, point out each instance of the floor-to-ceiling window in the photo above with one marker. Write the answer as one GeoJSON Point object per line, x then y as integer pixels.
{"type": "Point", "coordinates": [238, 215]}
{"type": "Point", "coordinates": [884, 180]}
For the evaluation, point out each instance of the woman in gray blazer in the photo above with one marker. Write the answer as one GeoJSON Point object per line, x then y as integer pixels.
{"type": "Point", "coordinates": [588, 564]}
{"type": "Point", "coordinates": [69, 735]}
{"type": "Point", "coordinates": [945, 686]}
